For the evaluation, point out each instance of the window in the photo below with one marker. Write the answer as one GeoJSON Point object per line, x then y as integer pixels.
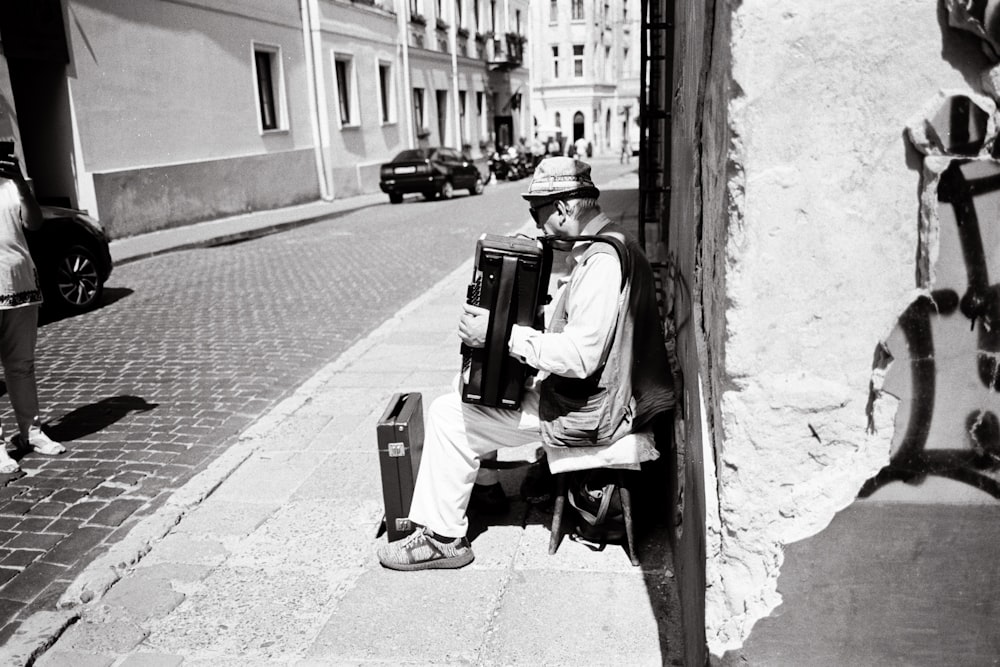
{"type": "Point", "coordinates": [555, 62]}
{"type": "Point", "coordinates": [553, 11]}
{"type": "Point", "coordinates": [439, 9]}
{"type": "Point", "coordinates": [578, 60]}
{"type": "Point", "coordinates": [626, 65]}
{"type": "Point", "coordinates": [418, 109]}
{"type": "Point", "coordinates": [493, 16]}
{"type": "Point", "coordinates": [270, 87]}
{"type": "Point", "coordinates": [558, 120]}
{"type": "Point", "coordinates": [476, 15]}
{"type": "Point", "coordinates": [517, 21]}
{"type": "Point", "coordinates": [459, 18]}
{"type": "Point", "coordinates": [607, 63]}
{"type": "Point", "coordinates": [385, 89]}
{"type": "Point", "coordinates": [577, 14]}
{"type": "Point", "coordinates": [346, 99]}
{"type": "Point", "coordinates": [416, 8]}
{"type": "Point", "coordinates": [462, 117]}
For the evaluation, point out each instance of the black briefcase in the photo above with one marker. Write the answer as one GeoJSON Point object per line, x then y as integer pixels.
{"type": "Point", "coordinates": [400, 443]}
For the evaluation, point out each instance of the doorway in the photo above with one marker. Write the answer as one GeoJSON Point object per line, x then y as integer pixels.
{"type": "Point", "coordinates": [504, 128]}
{"type": "Point", "coordinates": [578, 125]}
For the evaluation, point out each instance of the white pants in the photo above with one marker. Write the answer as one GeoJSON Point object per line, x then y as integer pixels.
{"type": "Point", "coordinates": [456, 435]}
{"type": "Point", "coordinates": [18, 333]}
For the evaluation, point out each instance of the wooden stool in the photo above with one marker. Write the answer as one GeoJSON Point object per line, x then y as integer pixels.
{"type": "Point", "coordinates": [624, 494]}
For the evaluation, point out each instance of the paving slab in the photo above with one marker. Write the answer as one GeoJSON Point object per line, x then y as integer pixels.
{"type": "Point", "coordinates": [586, 618]}
{"type": "Point", "coordinates": [431, 617]}
{"type": "Point", "coordinates": [253, 612]}
{"type": "Point", "coordinates": [220, 518]}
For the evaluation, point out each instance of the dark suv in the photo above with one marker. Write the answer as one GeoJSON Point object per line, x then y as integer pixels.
{"type": "Point", "coordinates": [71, 254]}
{"type": "Point", "coordinates": [434, 172]}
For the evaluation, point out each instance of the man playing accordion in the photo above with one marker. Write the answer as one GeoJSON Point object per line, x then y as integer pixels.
{"type": "Point", "coordinates": [602, 368]}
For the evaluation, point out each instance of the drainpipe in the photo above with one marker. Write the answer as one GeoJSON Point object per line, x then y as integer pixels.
{"type": "Point", "coordinates": [404, 44]}
{"type": "Point", "coordinates": [312, 40]}
{"type": "Point", "coordinates": [453, 38]}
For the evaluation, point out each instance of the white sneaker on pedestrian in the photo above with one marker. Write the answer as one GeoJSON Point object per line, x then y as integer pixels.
{"type": "Point", "coordinates": [41, 443]}
{"type": "Point", "coordinates": [8, 466]}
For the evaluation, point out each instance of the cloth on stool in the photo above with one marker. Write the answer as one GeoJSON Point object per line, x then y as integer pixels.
{"type": "Point", "coordinates": [626, 454]}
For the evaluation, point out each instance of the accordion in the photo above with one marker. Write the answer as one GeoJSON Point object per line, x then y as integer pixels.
{"type": "Point", "coordinates": [510, 280]}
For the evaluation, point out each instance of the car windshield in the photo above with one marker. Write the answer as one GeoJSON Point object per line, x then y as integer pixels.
{"type": "Point", "coordinates": [413, 154]}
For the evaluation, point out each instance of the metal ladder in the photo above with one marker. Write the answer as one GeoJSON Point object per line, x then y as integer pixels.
{"type": "Point", "coordinates": [656, 72]}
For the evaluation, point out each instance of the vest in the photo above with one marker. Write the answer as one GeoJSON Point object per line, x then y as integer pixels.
{"type": "Point", "coordinates": [634, 383]}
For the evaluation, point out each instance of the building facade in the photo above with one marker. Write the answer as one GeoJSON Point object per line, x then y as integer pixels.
{"type": "Point", "coordinates": [585, 69]}
{"type": "Point", "coordinates": [153, 114]}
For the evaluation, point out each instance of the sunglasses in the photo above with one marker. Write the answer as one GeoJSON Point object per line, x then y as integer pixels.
{"type": "Point", "coordinates": [535, 211]}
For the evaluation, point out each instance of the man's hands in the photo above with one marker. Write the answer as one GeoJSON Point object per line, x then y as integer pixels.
{"type": "Point", "coordinates": [473, 325]}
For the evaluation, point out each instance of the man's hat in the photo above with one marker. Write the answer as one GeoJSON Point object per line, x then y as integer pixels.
{"type": "Point", "coordinates": [560, 178]}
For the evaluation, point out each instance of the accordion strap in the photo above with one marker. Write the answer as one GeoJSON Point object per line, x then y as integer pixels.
{"type": "Point", "coordinates": [624, 261]}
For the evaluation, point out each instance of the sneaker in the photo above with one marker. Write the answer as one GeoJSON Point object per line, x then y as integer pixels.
{"type": "Point", "coordinates": [8, 466]}
{"type": "Point", "coordinates": [423, 550]}
{"type": "Point", "coordinates": [488, 499]}
{"type": "Point", "coordinates": [39, 442]}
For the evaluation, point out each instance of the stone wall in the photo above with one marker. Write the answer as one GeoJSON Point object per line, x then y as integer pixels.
{"type": "Point", "coordinates": [817, 235]}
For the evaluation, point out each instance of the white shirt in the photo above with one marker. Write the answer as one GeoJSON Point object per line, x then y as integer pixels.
{"type": "Point", "coordinates": [591, 314]}
{"type": "Point", "coordinates": [18, 279]}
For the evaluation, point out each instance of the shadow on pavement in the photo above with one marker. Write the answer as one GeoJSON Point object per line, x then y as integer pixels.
{"type": "Point", "coordinates": [110, 296]}
{"type": "Point", "coordinates": [92, 418]}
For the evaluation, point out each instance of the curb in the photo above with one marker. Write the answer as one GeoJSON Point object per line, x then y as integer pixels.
{"type": "Point", "coordinates": [233, 237]}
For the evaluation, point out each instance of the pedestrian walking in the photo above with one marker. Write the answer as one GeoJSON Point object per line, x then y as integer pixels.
{"type": "Point", "coordinates": [20, 297]}
{"type": "Point", "coordinates": [626, 154]}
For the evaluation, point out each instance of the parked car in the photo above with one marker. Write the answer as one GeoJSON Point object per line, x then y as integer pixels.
{"type": "Point", "coordinates": [71, 254]}
{"type": "Point", "coordinates": [434, 172]}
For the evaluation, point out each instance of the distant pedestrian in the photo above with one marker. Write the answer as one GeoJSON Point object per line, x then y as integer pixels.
{"type": "Point", "coordinates": [626, 154]}
{"type": "Point", "coordinates": [537, 151]}
{"type": "Point", "coordinates": [20, 297]}
{"type": "Point", "coordinates": [553, 148]}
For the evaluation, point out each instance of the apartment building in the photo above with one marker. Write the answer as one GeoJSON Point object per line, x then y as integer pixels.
{"type": "Point", "coordinates": [586, 72]}
{"type": "Point", "coordinates": [159, 113]}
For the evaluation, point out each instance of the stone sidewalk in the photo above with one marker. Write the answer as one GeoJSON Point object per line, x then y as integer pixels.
{"type": "Point", "coordinates": [276, 565]}
{"type": "Point", "coordinates": [268, 556]}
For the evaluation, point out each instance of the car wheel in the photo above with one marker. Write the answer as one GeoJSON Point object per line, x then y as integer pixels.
{"type": "Point", "coordinates": [477, 187]}
{"type": "Point", "coordinates": [396, 198]}
{"type": "Point", "coordinates": [76, 283]}
{"type": "Point", "coordinates": [447, 191]}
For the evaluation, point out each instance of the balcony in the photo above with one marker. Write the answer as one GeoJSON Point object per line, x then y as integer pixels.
{"type": "Point", "coordinates": [508, 52]}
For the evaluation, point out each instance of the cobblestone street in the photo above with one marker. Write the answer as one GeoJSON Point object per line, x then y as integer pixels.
{"type": "Point", "coordinates": [189, 348]}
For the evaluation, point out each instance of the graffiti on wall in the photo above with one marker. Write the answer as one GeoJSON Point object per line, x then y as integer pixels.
{"type": "Point", "coordinates": [945, 348]}
{"type": "Point", "coordinates": [948, 333]}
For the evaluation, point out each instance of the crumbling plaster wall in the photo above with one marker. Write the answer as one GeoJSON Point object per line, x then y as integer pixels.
{"type": "Point", "coordinates": [817, 238]}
